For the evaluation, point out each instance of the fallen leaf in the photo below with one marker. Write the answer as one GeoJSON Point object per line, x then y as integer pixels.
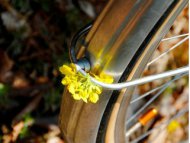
{"type": "Point", "coordinates": [6, 65]}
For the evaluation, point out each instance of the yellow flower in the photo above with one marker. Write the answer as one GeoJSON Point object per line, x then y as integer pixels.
{"type": "Point", "coordinates": [80, 87]}
{"type": "Point", "coordinates": [104, 78]}
{"type": "Point", "coordinates": [66, 70]}
{"type": "Point", "coordinates": [76, 96]}
{"type": "Point", "coordinates": [94, 97]}
{"type": "Point", "coordinates": [173, 125]}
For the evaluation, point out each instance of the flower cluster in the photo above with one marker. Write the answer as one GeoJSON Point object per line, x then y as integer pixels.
{"type": "Point", "coordinates": [81, 86]}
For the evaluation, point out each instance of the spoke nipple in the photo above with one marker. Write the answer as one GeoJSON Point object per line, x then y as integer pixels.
{"type": "Point", "coordinates": [149, 115]}
{"type": "Point", "coordinates": [143, 120]}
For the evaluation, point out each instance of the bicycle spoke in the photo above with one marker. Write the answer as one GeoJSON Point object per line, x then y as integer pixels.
{"type": "Point", "coordinates": [150, 101]}
{"type": "Point", "coordinates": [153, 90]}
{"type": "Point", "coordinates": [172, 48]}
{"type": "Point", "coordinates": [147, 93]}
{"type": "Point", "coordinates": [180, 113]}
{"type": "Point", "coordinates": [175, 37]}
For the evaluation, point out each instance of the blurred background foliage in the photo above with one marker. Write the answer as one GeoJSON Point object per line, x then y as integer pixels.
{"type": "Point", "coordinates": [34, 40]}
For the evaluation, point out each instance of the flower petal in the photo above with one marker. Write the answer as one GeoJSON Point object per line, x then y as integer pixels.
{"type": "Point", "coordinates": [66, 70]}
{"type": "Point", "coordinates": [94, 98]}
{"type": "Point", "coordinates": [76, 96]}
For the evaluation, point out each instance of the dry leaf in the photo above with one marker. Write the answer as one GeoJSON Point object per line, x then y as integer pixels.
{"type": "Point", "coordinates": [6, 65]}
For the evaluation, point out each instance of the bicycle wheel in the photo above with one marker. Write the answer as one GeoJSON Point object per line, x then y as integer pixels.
{"type": "Point", "coordinates": [120, 43]}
